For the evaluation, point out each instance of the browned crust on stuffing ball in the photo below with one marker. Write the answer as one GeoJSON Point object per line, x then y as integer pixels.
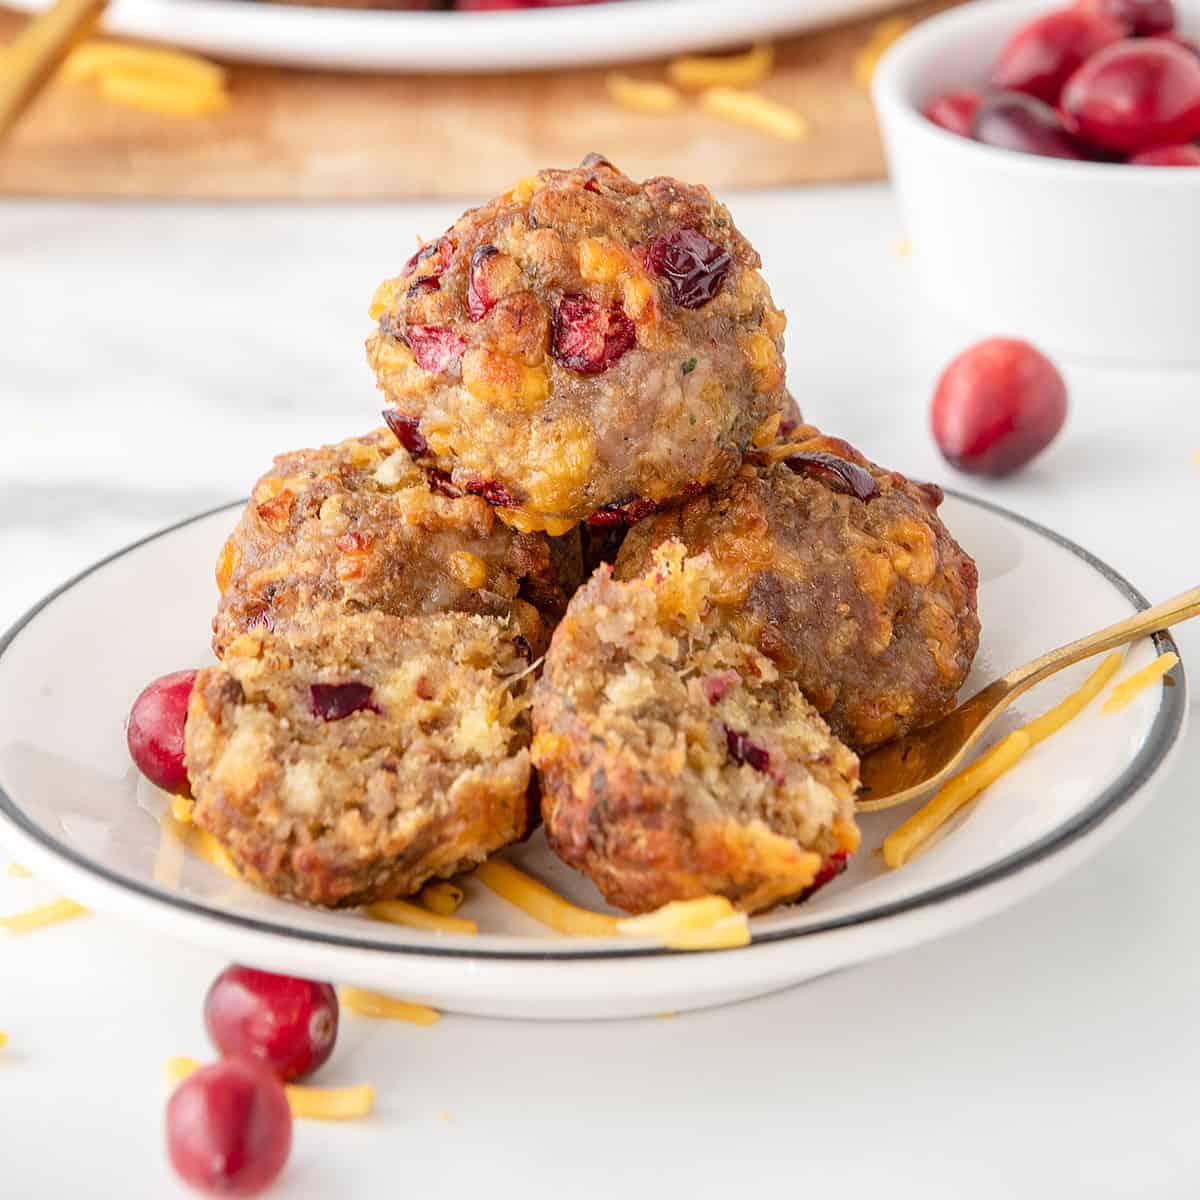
{"type": "Point", "coordinates": [665, 391]}
{"type": "Point", "coordinates": [870, 605]}
{"type": "Point", "coordinates": [641, 787]}
{"type": "Point", "coordinates": [357, 525]}
{"type": "Point", "coordinates": [427, 775]}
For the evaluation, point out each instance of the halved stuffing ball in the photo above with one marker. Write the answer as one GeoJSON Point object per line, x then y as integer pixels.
{"type": "Point", "coordinates": [675, 761]}
{"type": "Point", "coordinates": [364, 753]}
{"type": "Point", "coordinates": [359, 525]}
{"type": "Point", "coordinates": [582, 345]}
{"type": "Point", "coordinates": [841, 573]}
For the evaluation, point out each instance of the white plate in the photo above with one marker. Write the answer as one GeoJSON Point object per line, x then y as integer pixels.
{"type": "Point", "coordinates": [73, 808]}
{"type": "Point", "coordinates": [376, 40]}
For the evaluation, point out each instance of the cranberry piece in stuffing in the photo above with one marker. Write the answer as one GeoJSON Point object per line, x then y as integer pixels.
{"type": "Point", "coordinates": [435, 348]}
{"type": "Point", "coordinates": [408, 432]}
{"type": "Point", "coordinates": [335, 701]}
{"type": "Point", "coordinates": [588, 338]}
{"type": "Point", "coordinates": [840, 474]}
{"type": "Point", "coordinates": [692, 267]}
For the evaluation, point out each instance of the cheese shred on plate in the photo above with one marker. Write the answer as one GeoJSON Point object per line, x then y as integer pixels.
{"type": "Point", "coordinates": [1124, 692]}
{"type": "Point", "coordinates": [541, 903]}
{"type": "Point", "coordinates": [905, 841]}
{"type": "Point", "coordinates": [400, 912]}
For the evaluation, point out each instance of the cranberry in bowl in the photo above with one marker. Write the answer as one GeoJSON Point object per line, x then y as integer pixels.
{"type": "Point", "coordinates": [1024, 215]}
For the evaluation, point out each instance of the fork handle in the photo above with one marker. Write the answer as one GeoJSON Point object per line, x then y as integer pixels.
{"type": "Point", "coordinates": [1150, 620]}
{"type": "Point", "coordinates": [29, 60]}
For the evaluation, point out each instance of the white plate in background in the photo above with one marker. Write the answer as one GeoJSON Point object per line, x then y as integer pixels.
{"type": "Point", "coordinates": [381, 40]}
{"type": "Point", "coordinates": [74, 809]}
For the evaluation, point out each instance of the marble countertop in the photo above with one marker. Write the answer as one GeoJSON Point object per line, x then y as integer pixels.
{"type": "Point", "coordinates": [153, 360]}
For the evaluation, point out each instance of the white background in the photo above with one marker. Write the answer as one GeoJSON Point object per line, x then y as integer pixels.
{"type": "Point", "coordinates": [153, 358]}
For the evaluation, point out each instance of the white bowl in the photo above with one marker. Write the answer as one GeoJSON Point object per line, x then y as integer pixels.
{"type": "Point", "coordinates": [1096, 260]}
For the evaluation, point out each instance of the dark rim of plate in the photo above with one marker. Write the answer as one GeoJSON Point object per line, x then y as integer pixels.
{"type": "Point", "coordinates": [1166, 728]}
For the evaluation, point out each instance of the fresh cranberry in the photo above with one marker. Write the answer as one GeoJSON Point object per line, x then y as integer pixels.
{"type": "Point", "coordinates": [1014, 121]}
{"type": "Point", "coordinates": [837, 473]}
{"type": "Point", "coordinates": [1186, 155]}
{"type": "Point", "coordinates": [628, 512]}
{"type": "Point", "coordinates": [155, 731]}
{"type": "Point", "coordinates": [408, 432]}
{"type": "Point", "coordinates": [336, 701]}
{"type": "Point", "coordinates": [954, 111]}
{"type": "Point", "coordinates": [1142, 18]}
{"type": "Point", "coordinates": [693, 267]}
{"type": "Point", "coordinates": [441, 483]}
{"type": "Point", "coordinates": [743, 750]}
{"type": "Point", "coordinates": [1177, 39]}
{"type": "Point", "coordinates": [1136, 95]}
{"type": "Point", "coordinates": [479, 299]}
{"type": "Point", "coordinates": [588, 338]}
{"type": "Point", "coordinates": [435, 348]}
{"type": "Point", "coordinates": [1042, 55]}
{"type": "Point", "coordinates": [997, 405]}
{"type": "Point", "coordinates": [493, 492]}
{"type": "Point", "coordinates": [289, 1024]}
{"type": "Point", "coordinates": [229, 1128]}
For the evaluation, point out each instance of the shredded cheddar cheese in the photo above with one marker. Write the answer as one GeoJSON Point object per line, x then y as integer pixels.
{"type": "Point", "coordinates": [332, 1103]}
{"type": "Point", "coordinates": [3, 1039]}
{"type": "Point", "coordinates": [1124, 692]}
{"type": "Point", "coordinates": [43, 915]}
{"type": "Point", "coordinates": [707, 923]}
{"type": "Point", "coordinates": [1067, 710]}
{"type": "Point", "coordinates": [882, 36]}
{"type": "Point", "coordinates": [400, 912]}
{"type": "Point", "coordinates": [151, 78]}
{"type": "Point", "coordinates": [538, 901]}
{"type": "Point", "coordinates": [208, 848]}
{"type": "Point", "coordinates": [181, 809]}
{"type": "Point", "coordinates": [695, 71]}
{"type": "Point", "coordinates": [900, 845]}
{"type": "Point", "coordinates": [757, 111]}
{"type": "Point", "coordinates": [313, 1103]}
{"type": "Point", "coordinates": [642, 95]}
{"type": "Point", "coordinates": [16, 871]}
{"type": "Point", "coordinates": [375, 1004]}
{"type": "Point", "coordinates": [178, 1067]}
{"type": "Point", "coordinates": [442, 897]}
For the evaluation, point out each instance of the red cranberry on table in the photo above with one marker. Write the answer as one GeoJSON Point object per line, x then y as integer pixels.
{"type": "Point", "coordinates": [997, 405]}
{"type": "Point", "coordinates": [954, 111]}
{"type": "Point", "coordinates": [1136, 95]}
{"type": "Point", "coordinates": [1014, 121]}
{"type": "Point", "coordinates": [229, 1128]}
{"type": "Point", "coordinates": [155, 731]}
{"type": "Point", "coordinates": [289, 1024]}
{"type": "Point", "coordinates": [1043, 54]}
{"type": "Point", "coordinates": [1142, 18]}
{"type": "Point", "coordinates": [1187, 155]}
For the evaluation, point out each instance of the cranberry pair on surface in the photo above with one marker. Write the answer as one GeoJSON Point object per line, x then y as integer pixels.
{"type": "Point", "coordinates": [229, 1127]}
{"type": "Point", "coordinates": [1105, 80]}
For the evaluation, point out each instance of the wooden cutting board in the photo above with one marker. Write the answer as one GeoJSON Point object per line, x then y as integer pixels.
{"type": "Point", "coordinates": [307, 135]}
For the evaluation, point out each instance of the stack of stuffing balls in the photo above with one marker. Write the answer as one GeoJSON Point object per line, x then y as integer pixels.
{"type": "Point", "coordinates": [594, 569]}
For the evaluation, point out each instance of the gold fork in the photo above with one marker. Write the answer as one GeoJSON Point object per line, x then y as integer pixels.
{"type": "Point", "coordinates": [901, 770]}
{"type": "Point", "coordinates": [32, 57]}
